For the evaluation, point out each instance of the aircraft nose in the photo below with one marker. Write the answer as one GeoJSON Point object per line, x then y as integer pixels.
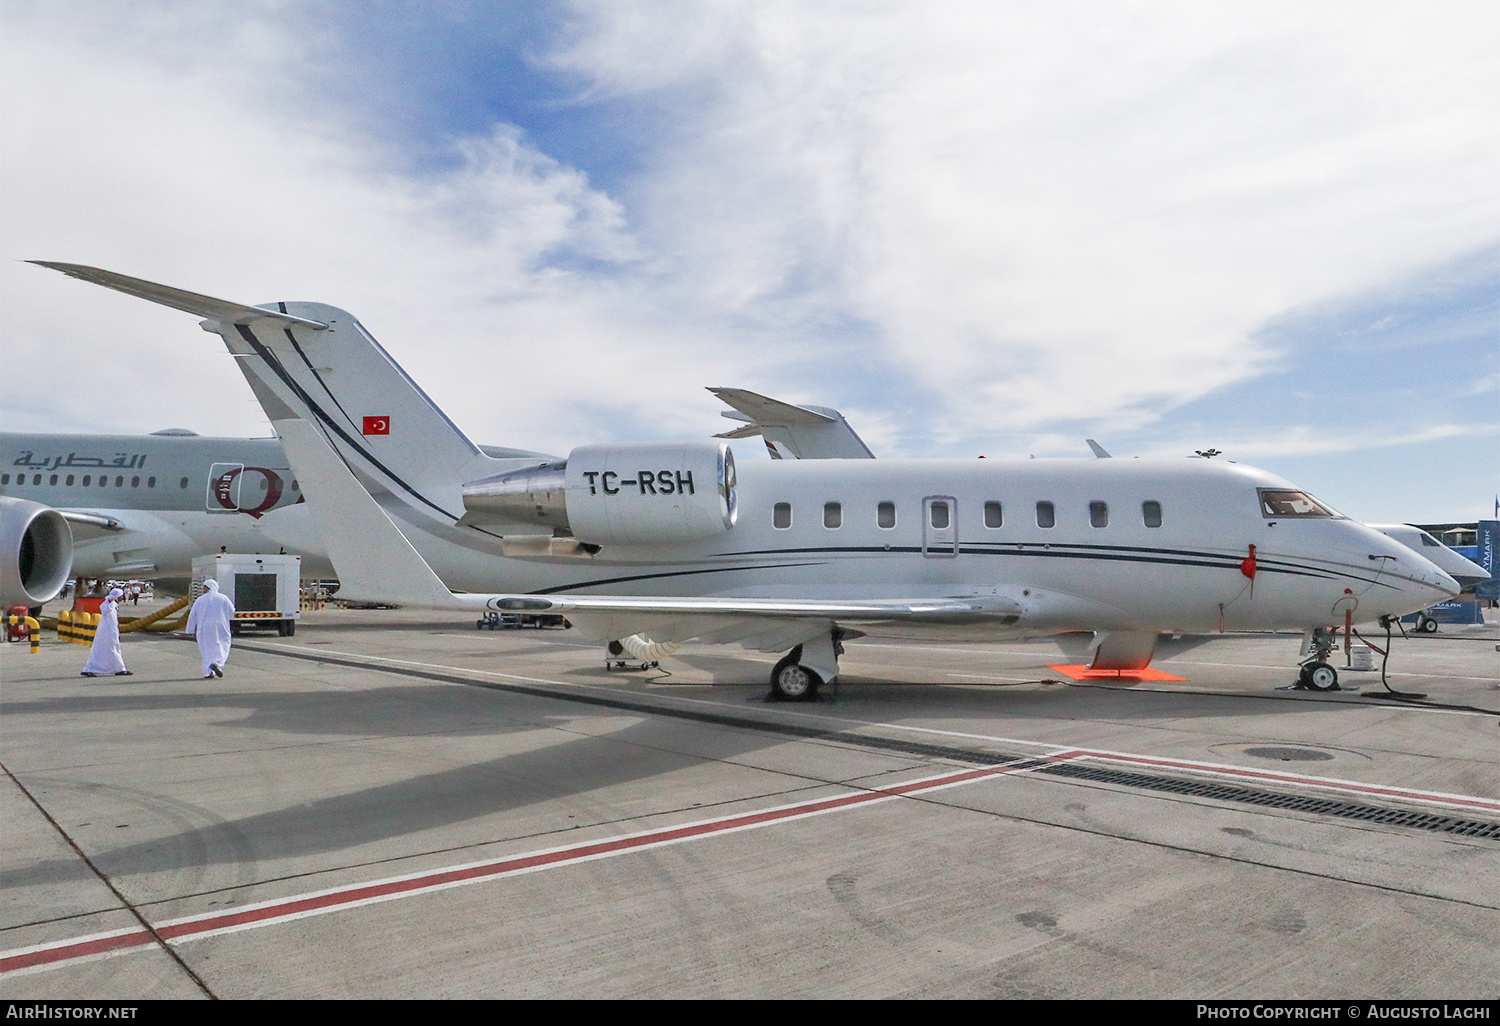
{"type": "Point", "coordinates": [1431, 585]}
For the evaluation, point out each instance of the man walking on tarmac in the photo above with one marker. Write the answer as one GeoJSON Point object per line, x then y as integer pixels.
{"type": "Point", "coordinates": [104, 655]}
{"type": "Point", "coordinates": [209, 621]}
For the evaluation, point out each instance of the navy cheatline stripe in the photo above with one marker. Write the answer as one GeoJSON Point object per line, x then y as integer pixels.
{"type": "Point", "coordinates": [314, 371]}
{"type": "Point", "coordinates": [1230, 563]}
{"type": "Point", "coordinates": [301, 393]}
{"type": "Point", "coordinates": [674, 573]}
{"type": "Point", "coordinates": [1209, 562]}
{"type": "Point", "coordinates": [415, 387]}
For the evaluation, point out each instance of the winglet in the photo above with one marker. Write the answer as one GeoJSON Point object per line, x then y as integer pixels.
{"type": "Point", "coordinates": [220, 310]}
{"type": "Point", "coordinates": [1098, 449]}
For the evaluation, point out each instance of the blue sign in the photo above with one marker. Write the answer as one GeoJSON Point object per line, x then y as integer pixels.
{"type": "Point", "coordinates": [1489, 538]}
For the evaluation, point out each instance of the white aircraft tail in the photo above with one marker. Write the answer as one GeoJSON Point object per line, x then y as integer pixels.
{"type": "Point", "coordinates": [318, 363]}
{"type": "Point", "coordinates": [374, 561]}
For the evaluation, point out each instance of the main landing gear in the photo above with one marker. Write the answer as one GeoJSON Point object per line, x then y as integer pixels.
{"type": "Point", "coordinates": [1316, 674]}
{"type": "Point", "coordinates": [799, 674]}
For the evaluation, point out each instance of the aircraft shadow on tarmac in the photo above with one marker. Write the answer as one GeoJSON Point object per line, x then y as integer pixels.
{"type": "Point", "coordinates": [567, 773]}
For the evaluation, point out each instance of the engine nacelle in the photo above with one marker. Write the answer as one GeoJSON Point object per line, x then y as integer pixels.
{"type": "Point", "coordinates": [36, 552]}
{"type": "Point", "coordinates": [626, 494]}
{"type": "Point", "coordinates": [650, 492]}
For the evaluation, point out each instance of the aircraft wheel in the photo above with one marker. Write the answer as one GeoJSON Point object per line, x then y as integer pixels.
{"type": "Point", "coordinates": [1428, 625]}
{"type": "Point", "coordinates": [793, 682]}
{"type": "Point", "coordinates": [1322, 677]}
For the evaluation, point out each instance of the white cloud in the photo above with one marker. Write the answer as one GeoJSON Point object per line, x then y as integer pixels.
{"type": "Point", "coordinates": [1025, 213]}
{"type": "Point", "coordinates": [1062, 210]}
{"type": "Point", "coordinates": [169, 171]}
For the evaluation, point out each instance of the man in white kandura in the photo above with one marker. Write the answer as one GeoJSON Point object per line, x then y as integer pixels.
{"type": "Point", "coordinates": [105, 658]}
{"type": "Point", "coordinates": [209, 621]}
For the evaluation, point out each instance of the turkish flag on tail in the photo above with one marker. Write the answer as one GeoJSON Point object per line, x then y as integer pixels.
{"type": "Point", "coordinates": [377, 425]}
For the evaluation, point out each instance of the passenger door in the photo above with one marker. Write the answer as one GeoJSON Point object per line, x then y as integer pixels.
{"type": "Point", "coordinates": [940, 527]}
{"type": "Point", "coordinates": [224, 488]}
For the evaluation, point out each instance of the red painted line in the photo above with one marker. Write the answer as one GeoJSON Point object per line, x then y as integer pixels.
{"type": "Point", "coordinates": [385, 890]}
{"type": "Point", "coordinates": [25, 958]}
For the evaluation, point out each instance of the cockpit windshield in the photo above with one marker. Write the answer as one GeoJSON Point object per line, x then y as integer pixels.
{"type": "Point", "coordinates": [1283, 503]}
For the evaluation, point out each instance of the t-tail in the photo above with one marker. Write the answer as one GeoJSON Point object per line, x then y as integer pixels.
{"type": "Point", "coordinates": [317, 363]}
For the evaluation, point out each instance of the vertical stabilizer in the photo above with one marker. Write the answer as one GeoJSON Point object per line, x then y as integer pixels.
{"type": "Point", "coordinates": [379, 421]}
{"type": "Point", "coordinates": [317, 363]}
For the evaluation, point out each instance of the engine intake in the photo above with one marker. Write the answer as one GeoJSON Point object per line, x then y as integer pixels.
{"type": "Point", "coordinates": [36, 552]}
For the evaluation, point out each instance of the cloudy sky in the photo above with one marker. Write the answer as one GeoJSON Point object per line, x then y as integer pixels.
{"type": "Point", "coordinates": [1269, 228]}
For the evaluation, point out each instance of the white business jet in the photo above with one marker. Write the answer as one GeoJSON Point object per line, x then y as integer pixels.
{"type": "Point", "coordinates": [673, 541]}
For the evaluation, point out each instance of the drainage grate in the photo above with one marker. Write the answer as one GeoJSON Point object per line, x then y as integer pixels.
{"type": "Point", "coordinates": [1289, 754]}
{"type": "Point", "coordinates": [1271, 799]}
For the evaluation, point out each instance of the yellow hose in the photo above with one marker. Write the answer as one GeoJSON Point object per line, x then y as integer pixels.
{"type": "Point", "coordinates": [144, 622]}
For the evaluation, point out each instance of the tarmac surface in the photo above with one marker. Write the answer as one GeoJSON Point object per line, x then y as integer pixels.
{"type": "Point", "coordinates": [395, 804]}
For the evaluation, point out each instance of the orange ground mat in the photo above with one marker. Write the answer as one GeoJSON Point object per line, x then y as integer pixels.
{"type": "Point", "coordinates": [1081, 672]}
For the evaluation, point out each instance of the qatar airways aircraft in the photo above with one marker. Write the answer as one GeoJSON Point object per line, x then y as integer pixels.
{"type": "Point", "coordinates": [666, 542]}
{"type": "Point", "coordinates": [123, 506]}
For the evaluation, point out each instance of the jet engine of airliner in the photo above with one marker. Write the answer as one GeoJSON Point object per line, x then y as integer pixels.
{"type": "Point", "coordinates": [624, 494]}
{"type": "Point", "coordinates": [36, 552]}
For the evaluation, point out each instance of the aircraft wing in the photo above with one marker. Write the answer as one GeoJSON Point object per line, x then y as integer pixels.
{"type": "Point", "coordinates": [374, 561]}
{"type": "Point", "coordinates": [798, 432]}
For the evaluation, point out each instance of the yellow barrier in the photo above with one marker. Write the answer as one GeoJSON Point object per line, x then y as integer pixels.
{"type": "Point", "coordinates": [33, 630]}
{"type": "Point", "coordinates": [77, 627]}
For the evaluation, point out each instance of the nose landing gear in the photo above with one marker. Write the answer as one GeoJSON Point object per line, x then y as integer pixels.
{"type": "Point", "coordinates": [1316, 674]}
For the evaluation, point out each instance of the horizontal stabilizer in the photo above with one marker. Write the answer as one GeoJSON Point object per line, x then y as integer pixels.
{"type": "Point", "coordinates": [220, 310]}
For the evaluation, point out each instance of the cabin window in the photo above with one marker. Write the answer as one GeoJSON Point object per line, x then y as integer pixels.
{"type": "Point", "coordinates": [1285, 503]}
{"type": "Point", "coordinates": [940, 517]}
{"type": "Point", "coordinates": [150, 482]}
{"type": "Point", "coordinates": [1151, 513]}
{"type": "Point", "coordinates": [994, 516]}
{"type": "Point", "coordinates": [135, 482]}
{"type": "Point", "coordinates": [1099, 514]}
{"type": "Point", "coordinates": [69, 481]}
{"type": "Point", "coordinates": [182, 483]}
{"type": "Point", "coordinates": [781, 515]}
{"type": "Point", "coordinates": [1046, 515]}
{"type": "Point", "coordinates": [88, 479]}
{"type": "Point", "coordinates": [36, 479]}
{"type": "Point", "coordinates": [885, 515]}
{"type": "Point", "coordinates": [833, 515]}
{"type": "Point", "coordinates": [52, 480]}
{"type": "Point", "coordinates": [4, 479]}
{"type": "Point", "coordinates": [120, 481]}
{"type": "Point", "coordinates": [103, 480]}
